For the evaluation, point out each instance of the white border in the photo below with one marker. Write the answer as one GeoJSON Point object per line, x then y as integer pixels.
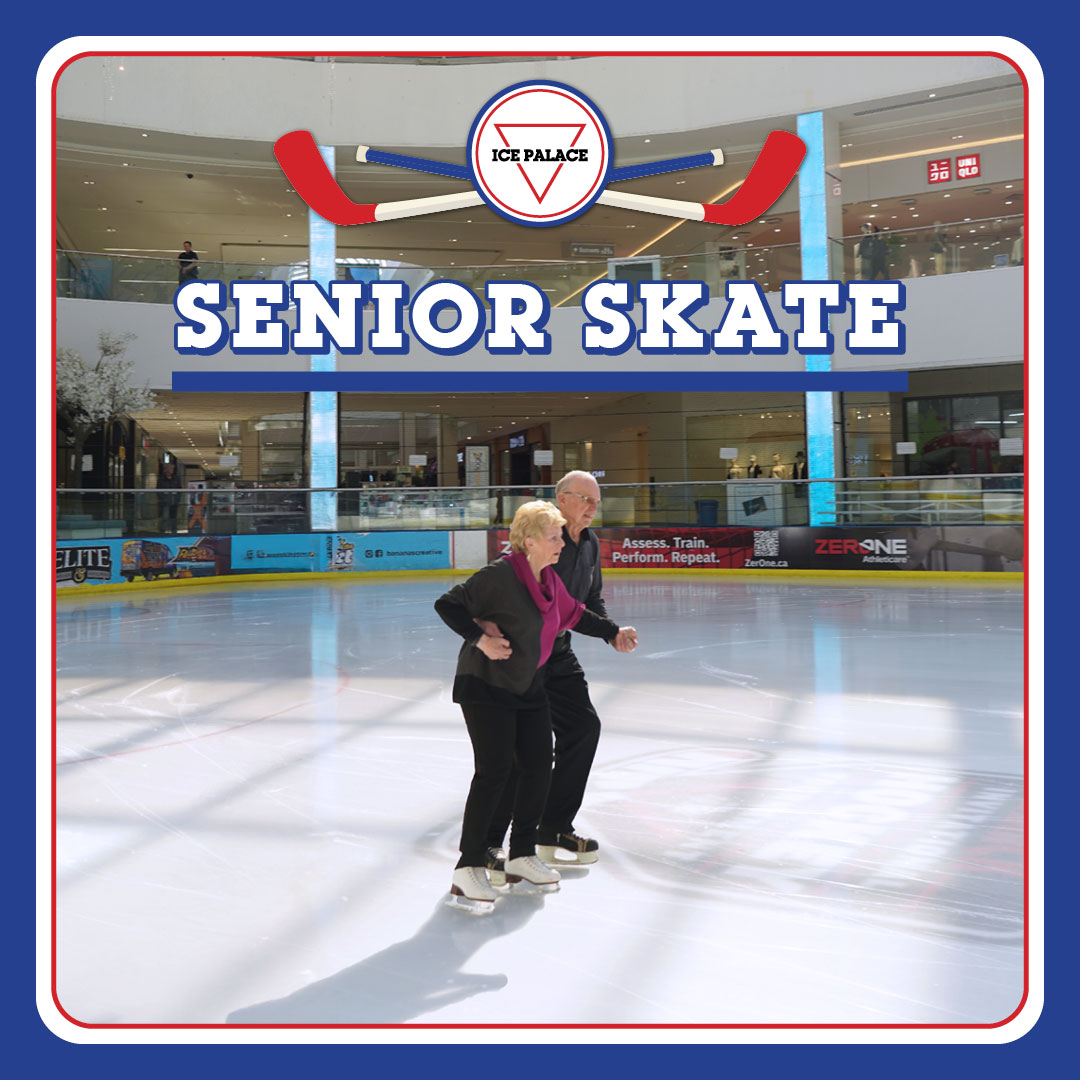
{"type": "Point", "coordinates": [1034, 408]}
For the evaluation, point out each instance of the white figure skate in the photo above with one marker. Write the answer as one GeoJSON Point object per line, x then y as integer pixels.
{"type": "Point", "coordinates": [529, 868]}
{"type": "Point", "coordinates": [471, 891]}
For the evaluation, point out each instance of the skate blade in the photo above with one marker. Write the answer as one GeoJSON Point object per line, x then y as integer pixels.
{"type": "Point", "coordinates": [555, 855]}
{"type": "Point", "coordinates": [522, 885]}
{"type": "Point", "coordinates": [472, 907]}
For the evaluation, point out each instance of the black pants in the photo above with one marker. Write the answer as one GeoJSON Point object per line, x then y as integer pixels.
{"type": "Point", "coordinates": [170, 504]}
{"type": "Point", "coordinates": [506, 742]}
{"type": "Point", "coordinates": [577, 731]}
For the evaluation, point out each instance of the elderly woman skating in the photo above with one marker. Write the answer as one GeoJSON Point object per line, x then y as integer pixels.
{"type": "Point", "coordinates": [499, 685]}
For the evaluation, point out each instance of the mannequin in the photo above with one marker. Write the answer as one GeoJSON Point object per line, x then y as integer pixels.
{"type": "Point", "coordinates": [734, 470]}
{"type": "Point", "coordinates": [799, 472]}
{"type": "Point", "coordinates": [1017, 256]}
{"type": "Point", "coordinates": [753, 470]}
{"type": "Point", "coordinates": [777, 468]}
{"type": "Point", "coordinates": [938, 249]}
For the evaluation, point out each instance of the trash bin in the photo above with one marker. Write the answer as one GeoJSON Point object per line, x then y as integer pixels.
{"type": "Point", "coordinates": [707, 511]}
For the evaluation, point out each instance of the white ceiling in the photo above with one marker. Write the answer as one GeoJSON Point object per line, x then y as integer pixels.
{"type": "Point", "coordinates": [120, 189]}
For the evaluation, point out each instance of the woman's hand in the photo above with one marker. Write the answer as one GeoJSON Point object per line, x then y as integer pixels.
{"type": "Point", "coordinates": [626, 640]}
{"type": "Point", "coordinates": [494, 648]}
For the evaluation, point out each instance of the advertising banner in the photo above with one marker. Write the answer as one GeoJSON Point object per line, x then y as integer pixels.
{"type": "Point", "coordinates": [344, 552]}
{"type": "Point", "coordinates": [86, 562]}
{"type": "Point", "coordinates": [275, 554]}
{"type": "Point", "coordinates": [105, 562]}
{"type": "Point", "coordinates": [386, 551]}
{"type": "Point", "coordinates": [954, 548]}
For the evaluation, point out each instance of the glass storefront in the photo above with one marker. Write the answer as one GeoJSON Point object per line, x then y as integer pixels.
{"type": "Point", "coordinates": [965, 433]}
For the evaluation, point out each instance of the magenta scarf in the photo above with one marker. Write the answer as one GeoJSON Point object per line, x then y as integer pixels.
{"type": "Point", "coordinates": [559, 610]}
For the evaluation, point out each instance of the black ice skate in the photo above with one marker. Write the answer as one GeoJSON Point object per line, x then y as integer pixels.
{"type": "Point", "coordinates": [496, 866]}
{"type": "Point", "coordinates": [568, 848]}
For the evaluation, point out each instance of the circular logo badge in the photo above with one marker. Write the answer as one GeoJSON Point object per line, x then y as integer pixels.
{"type": "Point", "coordinates": [540, 153]}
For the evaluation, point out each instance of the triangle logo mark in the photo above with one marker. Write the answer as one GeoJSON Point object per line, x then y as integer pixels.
{"type": "Point", "coordinates": [538, 168]}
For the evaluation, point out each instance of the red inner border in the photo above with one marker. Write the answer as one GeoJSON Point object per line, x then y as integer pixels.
{"type": "Point", "coordinates": [1026, 754]}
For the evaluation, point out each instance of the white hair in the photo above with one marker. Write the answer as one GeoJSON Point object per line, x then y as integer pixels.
{"type": "Point", "coordinates": [570, 477]}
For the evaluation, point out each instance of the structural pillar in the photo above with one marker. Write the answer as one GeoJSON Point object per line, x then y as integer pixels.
{"type": "Point", "coordinates": [323, 404]}
{"type": "Point", "coordinates": [820, 229]}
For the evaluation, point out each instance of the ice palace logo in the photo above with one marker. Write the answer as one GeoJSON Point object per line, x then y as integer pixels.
{"type": "Point", "coordinates": [540, 153]}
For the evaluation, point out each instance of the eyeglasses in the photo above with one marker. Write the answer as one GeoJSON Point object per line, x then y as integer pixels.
{"type": "Point", "coordinates": [594, 503]}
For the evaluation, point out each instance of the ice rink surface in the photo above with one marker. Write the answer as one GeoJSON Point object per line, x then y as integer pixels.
{"type": "Point", "coordinates": [808, 798]}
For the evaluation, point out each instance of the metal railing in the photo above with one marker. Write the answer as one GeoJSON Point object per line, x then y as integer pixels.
{"type": "Point", "coordinates": [988, 499]}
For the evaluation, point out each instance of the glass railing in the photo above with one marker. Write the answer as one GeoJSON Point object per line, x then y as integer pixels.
{"type": "Point", "coordinates": [988, 499]}
{"type": "Point", "coordinates": [86, 276]}
{"type": "Point", "coordinates": [926, 500]}
{"type": "Point", "coordinates": [952, 248]}
{"type": "Point", "coordinates": [82, 275]}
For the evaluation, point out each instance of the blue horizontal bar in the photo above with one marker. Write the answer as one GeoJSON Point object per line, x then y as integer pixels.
{"type": "Point", "coordinates": [654, 168]}
{"type": "Point", "coordinates": [442, 382]}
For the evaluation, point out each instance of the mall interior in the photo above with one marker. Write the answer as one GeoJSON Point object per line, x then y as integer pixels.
{"type": "Point", "coordinates": [925, 155]}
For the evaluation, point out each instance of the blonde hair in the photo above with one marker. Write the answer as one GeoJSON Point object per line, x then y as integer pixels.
{"type": "Point", "coordinates": [531, 519]}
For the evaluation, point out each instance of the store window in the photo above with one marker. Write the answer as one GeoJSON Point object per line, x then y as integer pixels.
{"type": "Point", "coordinates": [281, 448]}
{"type": "Point", "coordinates": [868, 437]}
{"type": "Point", "coordinates": [384, 448]}
{"type": "Point", "coordinates": [968, 433]}
{"type": "Point", "coordinates": [766, 441]}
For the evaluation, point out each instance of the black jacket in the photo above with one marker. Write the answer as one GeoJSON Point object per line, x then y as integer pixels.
{"type": "Point", "coordinates": [494, 592]}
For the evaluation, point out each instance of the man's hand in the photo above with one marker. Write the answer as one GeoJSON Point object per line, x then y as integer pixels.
{"type": "Point", "coordinates": [494, 648]}
{"type": "Point", "coordinates": [625, 640]}
{"type": "Point", "coordinates": [489, 628]}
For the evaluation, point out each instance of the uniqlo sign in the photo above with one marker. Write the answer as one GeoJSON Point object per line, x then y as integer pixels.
{"type": "Point", "coordinates": [967, 166]}
{"type": "Point", "coordinates": [940, 171]}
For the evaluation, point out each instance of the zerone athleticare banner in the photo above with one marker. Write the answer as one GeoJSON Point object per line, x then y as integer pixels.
{"type": "Point", "coordinates": [955, 548]}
